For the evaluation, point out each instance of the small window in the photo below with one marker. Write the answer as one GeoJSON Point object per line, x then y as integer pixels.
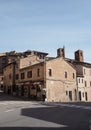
{"type": "Point", "coordinates": [82, 80]}
{"type": "Point", "coordinates": [50, 72]}
{"type": "Point", "coordinates": [29, 74]}
{"type": "Point", "coordinates": [38, 72]}
{"type": "Point", "coordinates": [73, 76]}
{"type": "Point", "coordinates": [22, 75]}
{"type": "Point", "coordinates": [65, 74]}
{"type": "Point", "coordinates": [17, 76]}
{"type": "Point", "coordinates": [85, 84]}
{"type": "Point", "coordinates": [86, 96]}
{"type": "Point", "coordinates": [66, 92]}
{"type": "Point", "coordinates": [90, 83]}
{"type": "Point", "coordinates": [79, 80]}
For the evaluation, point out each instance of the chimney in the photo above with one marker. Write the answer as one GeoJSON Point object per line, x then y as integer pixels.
{"type": "Point", "coordinates": [79, 56]}
{"type": "Point", "coordinates": [61, 52]}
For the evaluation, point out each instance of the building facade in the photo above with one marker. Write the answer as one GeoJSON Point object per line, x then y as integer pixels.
{"type": "Point", "coordinates": [54, 77]}
{"type": "Point", "coordinates": [60, 81]}
{"type": "Point", "coordinates": [83, 70]}
{"type": "Point", "coordinates": [58, 78]}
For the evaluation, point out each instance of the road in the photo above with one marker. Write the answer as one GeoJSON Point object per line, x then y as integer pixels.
{"type": "Point", "coordinates": [19, 114]}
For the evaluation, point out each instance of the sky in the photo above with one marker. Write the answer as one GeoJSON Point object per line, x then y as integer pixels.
{"type": "Point", "coordinates": [46, 25]}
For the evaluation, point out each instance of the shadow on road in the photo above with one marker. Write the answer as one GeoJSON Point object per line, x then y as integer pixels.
{"type": "Point", "coordinates": [72, 118]}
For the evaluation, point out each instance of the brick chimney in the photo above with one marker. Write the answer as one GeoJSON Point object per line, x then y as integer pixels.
{"type": "Point", "coordinates": [79, 56]}
{"type": "Point", "coordinates": [61, 52]}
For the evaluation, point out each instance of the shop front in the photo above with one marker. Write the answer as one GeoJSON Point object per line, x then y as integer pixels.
{"type": "Point", "coordinates": [32, 90]}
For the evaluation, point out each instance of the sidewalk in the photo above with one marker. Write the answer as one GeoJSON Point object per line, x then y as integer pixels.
{"type": "Point", "coordinates": [7, 97]}
{"type": "Point", "coordinates": [77, 105]}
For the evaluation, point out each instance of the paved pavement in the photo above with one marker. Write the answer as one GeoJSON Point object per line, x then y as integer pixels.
{"type": "Point", "coordinates": [19, 114]}
{"type": "Point", "coordinates": [78, 105]}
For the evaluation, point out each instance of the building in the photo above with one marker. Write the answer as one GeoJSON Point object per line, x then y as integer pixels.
{"type": "Point", "coordinates": [23, 59]}
{"type": "Point", "coordinates": [5, 59]}
{"type": "Point", "coordinates": [83, 70]}
{"type": "Point", "coordinates": [30, 81]}
{"type": "Point", "coordinates": [9, 78]}
{"type": "Point", "coordinates": [35, 76]}
{"type": "Point", "coordinates": [60, 79]}
{"type": "Point", "coordinates": [14, 78]}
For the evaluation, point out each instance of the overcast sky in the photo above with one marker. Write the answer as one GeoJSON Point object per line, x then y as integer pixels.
{"type": "Point", "coordinates": [46, 25]}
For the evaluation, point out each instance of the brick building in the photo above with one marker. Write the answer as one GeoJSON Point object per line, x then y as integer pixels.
{"type": "Point", "coordinates": [34, 76]}
{"type": "Point", "coordinates": [15, 77]}
{"type": "Point", "coordinates": [60, 78]}
{"type": "Point", "coordinates": [83, 70]}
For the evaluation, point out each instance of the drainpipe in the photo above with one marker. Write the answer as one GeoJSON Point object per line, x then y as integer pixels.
{"type": "Point", "coordinates": [45, 78]}
{"type": "Point", "coordinates": [77, 90]}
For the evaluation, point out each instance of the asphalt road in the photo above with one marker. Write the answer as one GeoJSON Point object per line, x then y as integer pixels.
{"type": "Point", "coordinates": [16, 114]}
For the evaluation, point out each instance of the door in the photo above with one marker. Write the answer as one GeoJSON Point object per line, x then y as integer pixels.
{"type": "Point", "coordinates": [79, 95]}
{"type": "Point", "coordinates": [86, 97]}
{"type": "Point", "coordinates": [70, 95]}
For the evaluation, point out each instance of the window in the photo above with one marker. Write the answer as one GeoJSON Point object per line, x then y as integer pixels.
{"type": "Point", "coordinates": [38, 72]}
{"type": "Point", "coordinates": [85, 84]}
{"type": "Point", "coordinates": [29, 74]}
{"type": "Point", "coordinates": [50, 72]}
{"type": "Point", "coordinates": [86, 96]}
{"type": "Point", "coordinates": [83, 94]}
{"type": "Point", "coordinates": [66, 92]}
{"type": "Point", "coordinates": [79, 80]}
{"type": "Point", "coordinates": [22, 75]}
{"type": "Point", "coordinates": [17, 76]}
{"type": "Point", "coordinates": [90, 83]}
{"type": "Point", "coordinates": [65, 74]}
{"type": "Point", "coordinates": [73, 75]}
{"type": "Point", "coordinates": [82, 80]}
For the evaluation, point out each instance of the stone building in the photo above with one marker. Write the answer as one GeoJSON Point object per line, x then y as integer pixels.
{"type": "Point", "coordinates": [60, 79]}
{"type": "Point", "coordinates": [14, 78]}
{"type": "Point", "coordinates": [23, 59]}
{"type": "Point", "coordinates": [5, 59]}
{"type": "Point", "coordinates": [35, 76]}
{"type": "Point", "coordinates": [83, 70]}
{"type": "Point", "coordinates": [9, 78]}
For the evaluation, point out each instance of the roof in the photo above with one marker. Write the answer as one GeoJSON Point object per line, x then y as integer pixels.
{"type": "Point", "coordinates": [75, 62]}
{"type": "Point", "coordinates": [32, 65]}
{"type": "Point", "coordinates": [35, 52]}
{"type": "Point", "coordinates": [2, 54]}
